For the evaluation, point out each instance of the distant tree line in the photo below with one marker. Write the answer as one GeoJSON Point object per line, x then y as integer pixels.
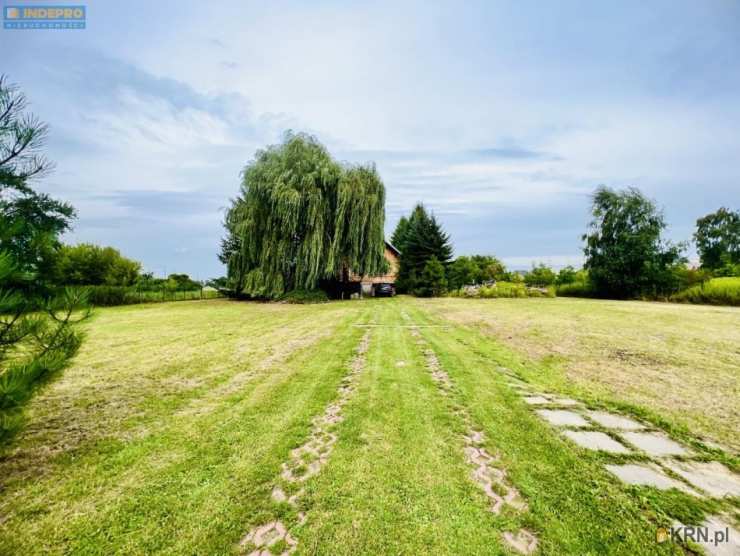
{"type": "Point", "coordinates": [626, 255]}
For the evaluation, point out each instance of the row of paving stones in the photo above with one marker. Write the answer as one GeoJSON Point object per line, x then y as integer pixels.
{"type": "Point", "coordinates": [487, 472]}
{"type": "Point", "coordinates": [660, 462]}
{"type": "Point", "coordinates": [305, 462]}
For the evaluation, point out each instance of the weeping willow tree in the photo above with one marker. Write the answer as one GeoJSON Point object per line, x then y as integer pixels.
{"type": "Point", "coordinates": [300, 218]}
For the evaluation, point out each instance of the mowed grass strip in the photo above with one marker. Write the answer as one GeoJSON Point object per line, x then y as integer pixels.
{"type": "Point", "coordinates": [678, 365]}
{"type": "Point", "coordinates": [397, 481]}
{"type": "Point", "coordinates": [188, 482]}
{"type": "Point", "coordinates": [575, 505]}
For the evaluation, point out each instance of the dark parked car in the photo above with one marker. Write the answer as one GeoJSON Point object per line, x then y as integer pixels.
{"type": "Point", "coordinates": [385, 290]}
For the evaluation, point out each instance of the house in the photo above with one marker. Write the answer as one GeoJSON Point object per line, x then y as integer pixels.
{"type": "Point", "coordinates": [365, 285]}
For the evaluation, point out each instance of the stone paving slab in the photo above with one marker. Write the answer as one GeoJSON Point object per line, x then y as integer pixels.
{"type": "Point", "coordinates": [647, 475]}
{"type": "Point", "coordinates": [722, 538]}
{"type": "Point", "coordinates": [596, 441]}
{"type": "Point", "coordinates": [562, 418]}
{"type": "Point", "coordinates": [536, 400]}
{"type": "Point", "coordinates": [614, 421]}
{"type": "Point", "coordinates": [655, 444]}
{"type": "Point", "coordinates": [731, 546]}
{"type": "Point", "coordinates": [712, 477]}
{"type": "Point", "coordinates": [565, 401]}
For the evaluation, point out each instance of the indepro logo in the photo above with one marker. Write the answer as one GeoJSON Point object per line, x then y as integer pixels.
{"type": "Point", "coordinates": [46, 17]}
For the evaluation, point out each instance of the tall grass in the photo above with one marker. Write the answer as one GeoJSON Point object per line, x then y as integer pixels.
{"type": "Point", "coordinates": [717, 291]}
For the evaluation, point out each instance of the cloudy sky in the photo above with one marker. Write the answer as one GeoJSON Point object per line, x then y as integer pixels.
{"type": "Point", "coordinates": [502, 117]}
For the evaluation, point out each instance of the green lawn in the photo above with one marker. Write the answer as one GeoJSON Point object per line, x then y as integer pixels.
{"type": "Point", "coordinates": [170, 430]}
{"type": "Point", "coordinates": [681, 362]}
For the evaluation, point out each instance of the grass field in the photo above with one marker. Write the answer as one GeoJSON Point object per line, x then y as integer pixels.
{"type": "Point", "coordinates": [680, 362]}
{"type": "Point", "coordinates": [178, 423]}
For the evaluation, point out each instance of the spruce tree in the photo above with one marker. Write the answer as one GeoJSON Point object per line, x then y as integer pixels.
{"type": "Point", "coordinates": [424, 239]}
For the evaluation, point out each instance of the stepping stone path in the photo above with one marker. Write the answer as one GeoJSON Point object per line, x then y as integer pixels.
{"type": "Point", "coordinates": [647, 475]}
{"type": "Point", "coordinates": [491, 478]}
{"type": "Point", "coordinates": [711, 477]}
{"type": "Point", "coordinates": [655, 444]}
{"type": "Point", "coordinates": [611, 421]}
{"type": "Point", "coordinates": [562, 418]}
{"type": "Point", "coordinates": [595, 440]}
{"type": "Point", "coordinates": [662, 472]}
{"type": "Point", "coordinates": [305, 462]}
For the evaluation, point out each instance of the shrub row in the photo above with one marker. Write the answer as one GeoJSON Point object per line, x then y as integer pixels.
{"type": "Point", "coordinates": [717, 291]}
{"type": "Point", "coordinates": [107, 296]}
{"type": "Point", "coordinates": [305, 296]}
{"type": "Point", "coordinates": [504, 289]}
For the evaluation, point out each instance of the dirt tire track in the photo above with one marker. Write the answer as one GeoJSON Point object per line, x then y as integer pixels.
{"type": "Point", "coordinates": [304, 462]}
{"type": "Point", "coordinates": [491, 478]}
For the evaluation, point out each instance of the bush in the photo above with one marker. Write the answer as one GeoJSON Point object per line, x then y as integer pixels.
{"type": "Point", "coordinates": [108, 296]}
{"type": "Point", "coordinates": [433, 282]}
{"type": "Point", "coordinates": [576, 289]}
{"type": "Point", "coordinates": [541, 275]}
{"type": "Point", "coordinates": [718, 291]}
{"type": "Point", "coordinates": [505, 290]}
{"type": "Point", "coordinates": [305, 296]}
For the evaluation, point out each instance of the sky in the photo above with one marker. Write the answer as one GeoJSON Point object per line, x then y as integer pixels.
{"type": "Point", "coordinates": [501, 117]}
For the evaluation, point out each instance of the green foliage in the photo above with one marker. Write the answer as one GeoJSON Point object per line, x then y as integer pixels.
{"type": "Point", "coordinates": [107, 296]}
{"type": "Point", "coordinates": [687, 277]}
{"type": "Point", "coordinates": [305, 296]}
{"type": "Point", "coordinates": [433, 282]}
{"type": "Point", "coordinates": [300, 218]}
{"type": "Point", "coordinates": [505, 290]}
{"type": "Point", "coordinates": [576, 289]}
{"type": "Point", "coordinates": [462, 272]}
{"type": "Point", "coordinates": [718, 239]}
{"type": "Point", "coordinates": [488, 269]}
{"type": "Point", "coordinates": [478, 269]}
{"type": "Point", "coordinates": [423, 240]}
{"type": "Point", "coordinates": [625, 255]}
{"type": "Point", "coordinates": [88, 264]}
{"type": "Point", "coordinates": [37, 339]}
{"type": "Point", "coordinates": [717, 291]}
{"type": "Point", "coordinates": [30, 222]}
{"type": "Point", "coordinates": [566, 275]}
{"type": "Point", "coordinates": [728, 268]}
{"type": "Point", "coordinates": [37, 334]}
{"type": "Point", "coordinates": [541, 275]}
{"type": "Point", "coordinates": [400, 234]}
{"type": "Point", "coordinates": [182, 282]}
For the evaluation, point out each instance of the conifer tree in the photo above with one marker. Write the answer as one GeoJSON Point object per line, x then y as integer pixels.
{"type": "Point", "coordinates": [423, 240]}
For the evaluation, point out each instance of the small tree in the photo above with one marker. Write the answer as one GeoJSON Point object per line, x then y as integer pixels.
{"type": "Point", "coordinates": [567, 275]}
{"type": "Point", "coordinates": [30, 222]}
{"type": "Point", "coordinates": [37, 337]}
{"type": "Point", "coordinates": [489, 268]}
{"type": "Point", "coordinates": [462, 272]}
{"type": "Point", "coordinates": [92, 265]}
{"type": "Point", "coordinates": [718, 238]}
{"type": "Point", "coordinates": [541, 275]}
{"type": "Point", "coordinates": [424, 239]}
{"type": "Point", "coordinates": [433, 282]}
{"type": "Point", "coordinates": [625, 255]}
